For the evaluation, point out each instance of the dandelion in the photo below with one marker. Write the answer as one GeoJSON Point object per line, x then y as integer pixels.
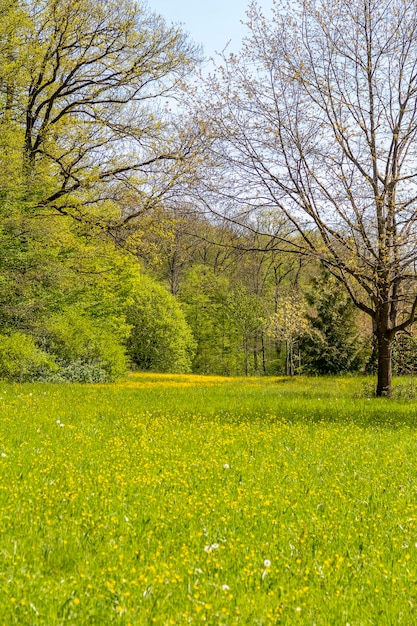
{"type": "Point", "coordinates": [225, 587]}
{"type": "Point", "coordinates": [267, 565]}
{"type": "Point", "coordinates": [226, 466]}
{"type": "Point", "coordinates": [3, 454]}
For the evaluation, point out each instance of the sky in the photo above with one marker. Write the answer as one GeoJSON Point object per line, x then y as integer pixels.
{"type": "Point", "coordinates": [211, 23]}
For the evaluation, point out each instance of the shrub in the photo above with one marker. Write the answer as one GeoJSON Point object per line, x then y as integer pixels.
{"type": "Point", "coordinates": [22, 360]}
{"type": "Point", "coordinates": [82, 345]}
{"type": "Point", "coordinates": [78, 372]}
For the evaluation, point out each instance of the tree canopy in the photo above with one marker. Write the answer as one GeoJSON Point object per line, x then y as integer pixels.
{"type": "Point", "coordinates": [80, 84]}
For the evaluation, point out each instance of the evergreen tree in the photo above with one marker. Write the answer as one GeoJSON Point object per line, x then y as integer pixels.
{"type": "Point", "coordinates": [331, 344]}
{"type": "Point", "coordinates": [404, 354]}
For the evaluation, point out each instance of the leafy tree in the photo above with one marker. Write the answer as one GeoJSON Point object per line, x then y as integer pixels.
{"type": "Point", "coordinates": [204, 297]}
{"type": "Point", "coordinates": [53, 275]}
{"type": "Point", "coordinates": [331, 342]}
{"type": "Point", "coordinates": [317, 119]}
{"type": "Point", "coordinates": [247, 313]}
{"type": "Point", "coordinates": [287, 324]}
{"type": "Point", "coordinates": [160, 338]}
{"type": "Point", "coordinates": [223, 317]}
{"type": "Point", "coordinates": [75, 92]}
{"type": "Point", "coordinates": [226, 320]}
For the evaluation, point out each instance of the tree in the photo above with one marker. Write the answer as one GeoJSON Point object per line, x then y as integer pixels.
{"type": "Point", "coordinates": [65, 291]}
{"type": "Point", "coordinates": [206, 298]}
{"type": "Point", "coordinates": [78, 83]}
{"type": "Point", "coordinates": [287, 324]}
{"type": "Point", "coordinates": [84, 350]}
{"type": "Point", "coordinates": [160, 339]}
{"type": "Point", "coordinates": [405, 354]}
{"type": "Point", "coordinates": [330, 343]}
{"type": "Point", "coordinates": [226, 285]}
{"type": "Point", "coordinates": [316, 119]}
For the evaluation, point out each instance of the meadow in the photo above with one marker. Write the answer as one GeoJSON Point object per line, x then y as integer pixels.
{"type": "Point", "coordinates": [184, 500]}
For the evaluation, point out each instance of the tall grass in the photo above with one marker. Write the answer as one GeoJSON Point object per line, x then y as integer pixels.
{"type": "Point", "coordinates": [183, 499]}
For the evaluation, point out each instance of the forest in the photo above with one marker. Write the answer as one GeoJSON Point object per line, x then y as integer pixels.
{"type": "Point", "coordinates": [259, 220]}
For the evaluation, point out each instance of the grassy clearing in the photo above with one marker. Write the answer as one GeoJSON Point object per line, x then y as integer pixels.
{"type": "Point", "coordinates": [180, 499]}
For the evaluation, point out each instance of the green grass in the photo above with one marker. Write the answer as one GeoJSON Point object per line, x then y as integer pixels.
{"type": "Point", "coordinates": [176, 500]}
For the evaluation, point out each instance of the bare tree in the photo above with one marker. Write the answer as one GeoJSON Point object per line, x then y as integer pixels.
{"type": "Point", "coordinates": [316, 119]}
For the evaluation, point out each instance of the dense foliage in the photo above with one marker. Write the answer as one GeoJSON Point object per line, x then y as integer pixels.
{"type": "Point", "coordinates": [331, 343]}
{"type": "Point", "coordinates": [160, 339]}
{"type": "Point", "coordinates": [81, 153]}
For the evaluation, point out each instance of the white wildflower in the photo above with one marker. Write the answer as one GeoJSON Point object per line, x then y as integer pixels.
{"type": "Point", "coordinates": [211, 547]}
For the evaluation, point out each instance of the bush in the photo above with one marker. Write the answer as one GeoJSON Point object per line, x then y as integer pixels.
{"type": "Point", "coordinates": [22, 360]}
{"type": "Point", "coordinates": [160, 339]}
{"type": "Point", "coordinates": [78, 372]}
{"type": "Point", "coordinates": [87, 350]}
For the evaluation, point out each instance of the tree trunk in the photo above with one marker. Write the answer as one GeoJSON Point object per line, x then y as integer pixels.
{"type": "Point", "coordinates": [255, 351]}
{"type": "Point", "coordinates": [263, 353]}
{"type": "Point", "coordinates": [384, 384]}
{"type": "Point", "coordinates": [289, 365]}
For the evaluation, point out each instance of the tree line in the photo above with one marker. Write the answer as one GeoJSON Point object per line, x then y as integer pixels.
{"type": "Point", "coordinates": [251, 227]}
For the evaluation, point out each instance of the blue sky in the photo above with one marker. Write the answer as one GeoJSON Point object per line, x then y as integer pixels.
{"type": "Point", "coordinates": [209, 22]}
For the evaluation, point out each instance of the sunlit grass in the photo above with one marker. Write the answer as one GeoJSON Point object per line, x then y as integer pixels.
{"type": "Point", "coordinates": [183, 499]}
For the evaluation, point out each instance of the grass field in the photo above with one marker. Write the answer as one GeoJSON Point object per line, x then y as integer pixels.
{"type": "Point", "coordinates": [182, 499]}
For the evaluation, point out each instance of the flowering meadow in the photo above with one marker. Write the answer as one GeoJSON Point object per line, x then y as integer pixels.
{"type": "Point", "coordinates": [186, 500]}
